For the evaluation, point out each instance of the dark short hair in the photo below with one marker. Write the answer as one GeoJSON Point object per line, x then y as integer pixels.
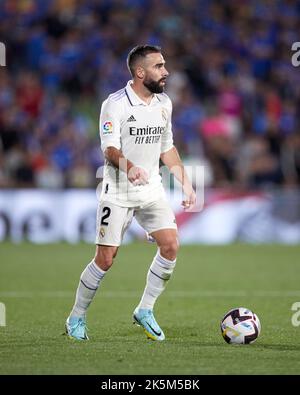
{"type": "Point", "coordinates": [140, 51]}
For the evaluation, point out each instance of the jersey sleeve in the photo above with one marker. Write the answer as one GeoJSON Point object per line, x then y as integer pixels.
{"type": "Point", "coordinates": [167, 136]}
{"type": "Point", "coordinates": [110, 125]}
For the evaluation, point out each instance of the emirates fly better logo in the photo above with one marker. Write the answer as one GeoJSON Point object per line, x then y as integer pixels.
{"type": "Point", "coordinates": [2, 54]}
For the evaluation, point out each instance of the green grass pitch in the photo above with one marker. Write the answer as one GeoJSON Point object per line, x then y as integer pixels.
{"type": "Point", "coordinates": [38, 283]}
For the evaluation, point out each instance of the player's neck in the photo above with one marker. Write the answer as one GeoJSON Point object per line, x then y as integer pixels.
{"type": "Point", "coordinates": [142, 92]}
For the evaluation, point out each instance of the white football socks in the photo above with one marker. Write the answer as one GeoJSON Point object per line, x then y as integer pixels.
{"type": "Point", "coordinates": [89, 282]}
{"type": "Point", "coordinates": [158, 275]}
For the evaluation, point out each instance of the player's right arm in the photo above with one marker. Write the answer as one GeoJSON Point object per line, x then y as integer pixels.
{"type": "Point", "coordinates": [110, 135]}
{"type": "Point", "coordinates": [135, 174]}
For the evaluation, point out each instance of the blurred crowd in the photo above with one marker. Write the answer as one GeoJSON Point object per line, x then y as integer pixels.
{"type": "Point", "coordinates": [235, 92]}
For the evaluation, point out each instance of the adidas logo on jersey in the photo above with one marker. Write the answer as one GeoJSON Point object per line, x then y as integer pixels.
{"type": "Point", "coordinates": [131, 119]}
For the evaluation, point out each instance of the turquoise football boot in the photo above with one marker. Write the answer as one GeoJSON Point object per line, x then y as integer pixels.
{"type": "Point", "coordinates": [145, 318]}
{"type": "Point", "coordinates": [76, 328]}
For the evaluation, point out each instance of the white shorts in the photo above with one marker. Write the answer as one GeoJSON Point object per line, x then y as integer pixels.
{"type": "Point", "coordinates": [113, 220]}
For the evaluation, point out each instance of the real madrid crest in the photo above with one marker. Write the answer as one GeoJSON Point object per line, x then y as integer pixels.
{"type": "Point", "coordinates": [164, 114]}
{"type": "Point", "coordinates": [102, 232]}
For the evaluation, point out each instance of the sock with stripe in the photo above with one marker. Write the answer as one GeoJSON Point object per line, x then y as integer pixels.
{"type": "Point", "coordinates": [90, 280]}
{"type": "Point", "coordinates": [158, 275]}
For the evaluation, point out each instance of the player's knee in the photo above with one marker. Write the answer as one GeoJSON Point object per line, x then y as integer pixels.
{"type": "Point", "coordinates": [104, 261]}
{"type": "Point", "coordinates": [169, 250]}
{"type": "Point", "coordinates": [104, 257]}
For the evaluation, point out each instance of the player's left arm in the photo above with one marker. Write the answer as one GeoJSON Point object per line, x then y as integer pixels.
{"type": "Point", "coordinates": [173, 161]}
{"type": "Point", "coordinates": [170, 157]}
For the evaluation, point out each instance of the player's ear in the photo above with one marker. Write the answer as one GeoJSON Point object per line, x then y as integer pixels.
{"type": "Point", "coordinates": [140, 72]}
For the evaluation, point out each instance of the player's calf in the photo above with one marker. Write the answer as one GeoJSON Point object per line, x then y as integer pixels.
{"type": "Point", "coordinates": [158, 275]}
{"type": "Point", "coordinates": [169, 250]}
{"type": "Point", "coordinates": [167, 241]}
{"type": "Point", "coordinates": [104, 256]}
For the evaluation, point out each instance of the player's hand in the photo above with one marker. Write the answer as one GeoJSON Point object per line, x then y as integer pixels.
{"type": "Point", "coordinates": [138, 176]}
{"type": "Point", "coordinates": [189, 202]}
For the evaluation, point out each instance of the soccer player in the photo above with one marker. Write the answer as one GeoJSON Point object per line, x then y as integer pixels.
{"type": "Point", "coordinates": [135, 132]}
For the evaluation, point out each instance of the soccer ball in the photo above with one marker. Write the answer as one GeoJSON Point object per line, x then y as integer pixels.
{"type": "Point", "coordinates": [240, 326]}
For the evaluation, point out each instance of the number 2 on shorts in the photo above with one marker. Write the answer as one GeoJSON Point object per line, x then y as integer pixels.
{"type": "Point", "coordinates": [106, 211]}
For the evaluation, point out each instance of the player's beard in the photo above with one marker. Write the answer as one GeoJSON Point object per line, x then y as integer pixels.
{"type": "Point", "coordinates": [154, 86]}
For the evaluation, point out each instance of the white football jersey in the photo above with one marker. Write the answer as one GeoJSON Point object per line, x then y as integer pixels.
{"type": "Point", "coordinates": [142, 132]}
